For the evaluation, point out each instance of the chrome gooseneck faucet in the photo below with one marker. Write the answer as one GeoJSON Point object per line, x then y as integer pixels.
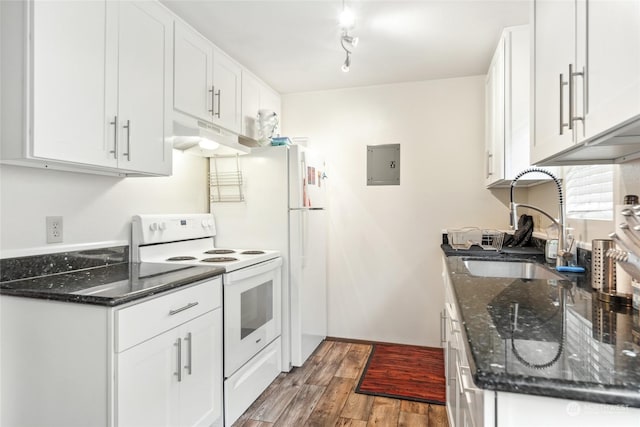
{"type": "Point", "coordinates": [564, 254]}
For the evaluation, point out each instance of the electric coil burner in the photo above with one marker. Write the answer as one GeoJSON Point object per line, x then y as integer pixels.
{"type": "Point", "coordinates": [252, 298]}
{"type": "Point", "coordinates": [182, 258]}
{"type": "Point", "coordinates": [220, 259]}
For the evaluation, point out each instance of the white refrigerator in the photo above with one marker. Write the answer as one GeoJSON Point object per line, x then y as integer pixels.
{"type": "Point", "coordinates": [284, 190]}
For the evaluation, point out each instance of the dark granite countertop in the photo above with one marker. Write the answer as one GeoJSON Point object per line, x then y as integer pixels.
{"type": "Point", "coordinates": [107, 280]}
{"type": "Point", "coordinates": [561, 343]}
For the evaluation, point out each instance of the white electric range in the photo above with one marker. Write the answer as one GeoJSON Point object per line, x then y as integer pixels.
{"type": "Point", "coordinates": [251, 298]}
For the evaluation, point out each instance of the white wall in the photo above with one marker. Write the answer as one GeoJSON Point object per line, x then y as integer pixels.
{"type": "Point", "coordinates": [384, 254]}
{"type": "Point", "coordinates": [94, 207]}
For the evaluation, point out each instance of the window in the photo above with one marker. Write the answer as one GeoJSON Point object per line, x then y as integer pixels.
{"type": "Point", "coordinates": [589, 192]}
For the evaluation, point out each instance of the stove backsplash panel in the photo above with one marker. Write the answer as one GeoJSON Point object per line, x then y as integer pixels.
{"type": "Point", "coordinates": [62, 262]}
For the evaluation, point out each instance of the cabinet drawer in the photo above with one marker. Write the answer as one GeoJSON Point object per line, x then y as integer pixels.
{"type": "Point", "coordinates": [142, 321]}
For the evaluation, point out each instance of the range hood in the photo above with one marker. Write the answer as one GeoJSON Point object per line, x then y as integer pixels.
{"type": "Point", "coordinates": [617, 145]}
{"type": "Point", "coordinates": [205, 139]}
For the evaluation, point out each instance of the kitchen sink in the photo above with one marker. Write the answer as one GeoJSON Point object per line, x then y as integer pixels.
{"type": "Point", "coordinates": [515, 269]}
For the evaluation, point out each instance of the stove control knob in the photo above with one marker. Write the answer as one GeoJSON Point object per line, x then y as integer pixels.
{"type": "Point", "coordinates": [162, 226]}
{"type": "Point", "coordinates": [204, 223]}
{"type": "Point", "coordinates": [153, 226]}
{"type": "Point", "coordinates": [210, 223]}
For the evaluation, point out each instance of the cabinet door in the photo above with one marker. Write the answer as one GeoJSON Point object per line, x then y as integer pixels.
{"type": "Point", "coordinates": [495, 109]}
{"type": "Point", "coordinates": [227, 91]}
{"type": "Point", "coordinates": [250, 105]}
{"type": "Point", "coordinates": [517, 96]}
{"type": "Point", "coordinates": [193, 73]}
{"type": "Point", "coordinates": [270, 100]}
{"type": "Point", "coordinates": [68, 95]}
{"type": "Point", "coordinates": [147, 391]}
{"type": "Point", "coordinates": [554, 47]}
{"type": "Point", "coordinates": [611, 58]}
{"type": "Point", "coordinates": [144, 52]}
{"type": "Point", "coordinates": [201, 386]}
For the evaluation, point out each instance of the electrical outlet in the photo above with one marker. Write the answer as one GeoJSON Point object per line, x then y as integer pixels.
{"type": "Point", "coordinates": [54, 229]}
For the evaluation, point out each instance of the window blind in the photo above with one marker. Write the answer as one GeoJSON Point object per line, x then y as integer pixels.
{"type": "Point", "coordinates": [589, 191]}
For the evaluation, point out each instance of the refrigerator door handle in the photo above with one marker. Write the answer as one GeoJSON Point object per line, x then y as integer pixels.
{"type": "Point", "coordinates": [303, 224]}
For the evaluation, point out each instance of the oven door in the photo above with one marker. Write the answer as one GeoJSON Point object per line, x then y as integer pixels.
{"type": "Point", "coordinates": [252, 317]}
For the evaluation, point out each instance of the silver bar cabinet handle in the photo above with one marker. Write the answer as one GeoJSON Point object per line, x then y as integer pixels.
{"type": "Point", "coordinates": [128, 128]}
{"type": "Point", "coordinates": [489, 164]}
{"type": "Point", "coordinates": [178, 373]}
{"type": "Point", "coordinates": [562, 123]}
{"type": "Point", "coordinates": [188, 366]}
{"type": "Point", "coordinates": [186, 307]}
{"type": "Point", "coordinates": [571, 106]}
{"type": "Point", "coordinates": [212, 91]}
{"type": "Point", "coordinates": [219, 94]}
{"type": "Point", "coordinates": [115, 137]}
{"type": "Point", "coordinates": [575, 118]}
{"type": "Point", "coordinates": [443, 321]}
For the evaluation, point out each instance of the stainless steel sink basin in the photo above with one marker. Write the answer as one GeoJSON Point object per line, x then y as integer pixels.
{"type": "Point", "coordinates": [515, 269]}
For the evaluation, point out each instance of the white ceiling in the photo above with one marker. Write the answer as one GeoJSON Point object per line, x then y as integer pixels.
{"type": "Point", "coordinates": [293, 45]}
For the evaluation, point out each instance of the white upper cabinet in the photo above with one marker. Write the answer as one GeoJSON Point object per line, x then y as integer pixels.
{"type": "Point", "coordinates": [227, 77]}
{"type": "Point", "coordinates": [207, 82]}
{"type": "Point", "coordinates": [193, 73]}
{"type": "Point", "coordinates": [250, 105]}
{"type": "Point", "coordinates": [610, 55]}
{"type": "Point", "coordinates": [144, 53]}
{"type": "Point", "coordinates": [494, 117]}
{"type": "Point", "coordinates": [89, 86]}
{"type": "Point", "coordinates": [69, 71]}
{"type": "Point", "coordinates": [587, 78]}
{"type": "Point", "coordinates": [554, 34]}
{"type": "Point", "coordinates": [507, 87]}
{"type": "Point", "coordinates": [256, 96]}
{"type": "Point", "coordinates": [270, 100]}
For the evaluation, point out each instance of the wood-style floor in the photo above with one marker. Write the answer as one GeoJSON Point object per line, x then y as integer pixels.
{"type": "Point", "coordinates": [321, 394]}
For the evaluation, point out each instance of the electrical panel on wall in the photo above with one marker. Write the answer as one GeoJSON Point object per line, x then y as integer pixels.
{"type": "Point", "coordinates": [383, 164]}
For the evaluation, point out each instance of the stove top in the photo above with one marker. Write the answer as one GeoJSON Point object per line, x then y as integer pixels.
{"type": "Point", "coordinates": [188, 239]}
{"type": "Point", "coordinates": [199, 252]}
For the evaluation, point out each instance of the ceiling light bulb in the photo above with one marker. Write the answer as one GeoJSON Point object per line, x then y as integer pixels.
{"type": "Point", "coordinates": [354, 41]}
{"type": "Point", "coordinates": [207, 144]}
{"type": "Point", "coordinates": [347, 19]}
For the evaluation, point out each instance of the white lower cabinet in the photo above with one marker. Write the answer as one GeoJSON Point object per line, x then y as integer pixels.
{"type": "Point", "coordinates": [154, 362]}
{"type": "Point", "coordinates": [470, 406]}
{"type": "Point", "coordinates": [173, 379]}
{"type": "Point", "coordinates": [465, 402]}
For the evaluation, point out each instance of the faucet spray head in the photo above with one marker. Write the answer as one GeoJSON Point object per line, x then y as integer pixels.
{"type": "Point", "coordinates": [513, 216]}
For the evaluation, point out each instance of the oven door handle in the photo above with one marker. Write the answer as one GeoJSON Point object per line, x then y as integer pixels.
{"type": "Point", "coordinates": [252, 271]}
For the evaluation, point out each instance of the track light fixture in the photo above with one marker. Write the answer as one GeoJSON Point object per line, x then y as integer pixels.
{"type": "Point", "coordinates": [347, 63]}
{"type": "Point", "coordinates": [353, 41]}
{"type": "Point", "coordinates": [347, 22]}
{"type": "Point", "coordinates": [347, 42]}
